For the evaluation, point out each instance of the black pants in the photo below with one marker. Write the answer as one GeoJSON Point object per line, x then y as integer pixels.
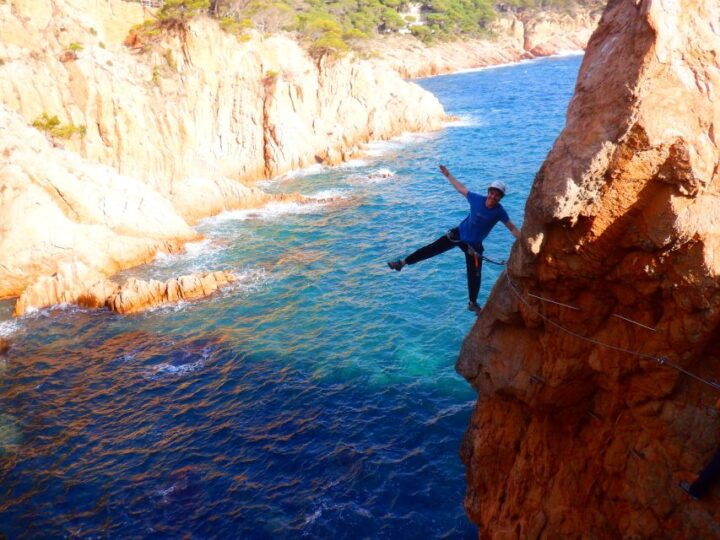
{"type": "Point", "coordinates": [473, 258]}
{"type": "Point", "coordinates": [706, 476]}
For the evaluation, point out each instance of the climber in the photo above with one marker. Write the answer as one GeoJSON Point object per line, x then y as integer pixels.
{"type": "Point", "coordinates": [485, 212]}
{"type": "Point", "coordinates": [701, 484]}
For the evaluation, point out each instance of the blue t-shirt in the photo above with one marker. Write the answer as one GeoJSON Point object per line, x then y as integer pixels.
{"type": "Point", "coordinates": [481, 219]}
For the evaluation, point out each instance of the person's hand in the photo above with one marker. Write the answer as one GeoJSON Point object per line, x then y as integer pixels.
{"type": "Point", "coordinates": [444, 171]}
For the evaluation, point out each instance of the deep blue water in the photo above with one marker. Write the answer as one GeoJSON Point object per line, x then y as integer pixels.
{"type": "Point", "coordinates": [317, 397]}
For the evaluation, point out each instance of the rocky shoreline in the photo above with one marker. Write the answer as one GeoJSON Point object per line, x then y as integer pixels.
{"type": "Point", "coordinates": [162, 137]}
{"type": "Point", "coordinates": [517, 37]}
{"type": "Point", "coordinates": [175, 132]}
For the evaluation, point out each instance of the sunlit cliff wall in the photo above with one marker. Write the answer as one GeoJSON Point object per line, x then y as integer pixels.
{"type": "Point", "coordinates": [171, 133]}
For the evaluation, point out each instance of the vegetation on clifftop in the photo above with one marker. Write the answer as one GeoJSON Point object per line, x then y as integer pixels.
{"type": "Point", "coordinates": [331, 26]}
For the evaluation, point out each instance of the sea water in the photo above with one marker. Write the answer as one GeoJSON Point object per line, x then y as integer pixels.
{"type": "Point", "coordinates": [317, 396]}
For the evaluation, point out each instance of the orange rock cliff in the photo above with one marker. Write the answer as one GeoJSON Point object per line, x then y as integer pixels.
{"type": "Point", "coordinates": [572, 437]}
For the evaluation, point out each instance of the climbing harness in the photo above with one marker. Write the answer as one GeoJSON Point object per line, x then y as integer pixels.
{"type": "Point", "coordinates": [661, 360]}
{"type": "Point", "coordinates": [454, 237]}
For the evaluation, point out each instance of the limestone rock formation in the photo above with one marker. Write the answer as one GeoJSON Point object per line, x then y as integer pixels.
{"type": "Point", "coordinates": [572, 437]}
{"type": "Point", "coordinates": [78, 284]}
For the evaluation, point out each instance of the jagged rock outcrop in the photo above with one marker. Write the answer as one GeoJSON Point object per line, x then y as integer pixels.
{"type": "Point", "coordinates": [77, 284]}
{"type": "Point", "coordinates": [517, 37]}
{"type": "Point", "coordinates": [169, 133]}
{"type": "Point", "coordinates": [571, 438]}
{"type": "Point", "coordinates": [138, 295]}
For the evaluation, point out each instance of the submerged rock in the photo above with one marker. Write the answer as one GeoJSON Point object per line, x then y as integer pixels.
{"type": "Point", "coordinates": [571, 437]}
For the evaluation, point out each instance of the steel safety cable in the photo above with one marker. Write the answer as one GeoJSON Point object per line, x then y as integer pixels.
{"type": "Point", "coordinates": [568, 331]}
{"type": "Point", "coordinates": [661, 360]}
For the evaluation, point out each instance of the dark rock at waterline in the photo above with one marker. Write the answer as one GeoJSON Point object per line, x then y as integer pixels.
{"type": "Point", "coordinates": [4, 346]}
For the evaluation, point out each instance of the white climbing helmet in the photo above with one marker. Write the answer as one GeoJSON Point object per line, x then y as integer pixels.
{"type": "Point", "coordinates": [499, 185]}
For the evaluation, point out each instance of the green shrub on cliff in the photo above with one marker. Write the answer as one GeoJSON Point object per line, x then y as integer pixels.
{"type": "Point", "coordinates": [324, 33]}
{"type": "Point", "coordinates": [171, 18]}
{"type": "Point", "coordinates": [238, 27]}
{"type": "Point", "coordinates": [182, 10]}
{"type": "Point", "coordinates": [52, 126]}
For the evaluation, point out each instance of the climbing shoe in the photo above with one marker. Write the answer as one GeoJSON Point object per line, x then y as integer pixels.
{"type": "Point", "coordinates": [685, 486]}
{"type": "Point", "coordinates": [472, 306]}
{"type": "Point", "coordinates": [396, 265]}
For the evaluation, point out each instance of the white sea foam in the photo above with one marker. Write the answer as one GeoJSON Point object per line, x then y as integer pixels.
{"type": "Point", "coordinates": [312, 517]}
{"type": "Point", "coordinates": [51, 311]}
{"type": "Point", "coordinates": [9, 327]}
{"type": "Point", "coordinates": [463, 121]}
{"type": "Point", "coordinates": [336, 508]}
{"type": "Point", "coordinates": [270, 211]}
{"type": "Point", "coordinates": [379, 148]}
{"type": "Point", "coordinates": [193, 250]}
{"type": "Point", "coordinates": [487, 68]}
{"type": "Point", "coordinates": [383, 172]}
{"type": "Point", "coordinates": [306, 171]}
{"type": "Point", "coordinates": [406, 138]}
{"type": "Point", "coordinates": [329, 194]}
{"type": "Point", "coordinates": [165, 492]}
{"type": "Point", "coordinates": [170, 369]}
{"type": "Point", "coordinates": [166, 370]}
{"type": "Point", "coordinates": [353, 163]}
{"type": "Point", "coordinates": [249, 280]}
{"type": "Point", "coordinates": [374, 177]}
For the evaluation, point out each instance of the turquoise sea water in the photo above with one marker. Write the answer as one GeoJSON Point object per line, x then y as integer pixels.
{"type": "Point", "coordinates": [317, 397]}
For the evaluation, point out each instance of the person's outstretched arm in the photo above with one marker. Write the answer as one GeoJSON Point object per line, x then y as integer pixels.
{"type": "Point", "coordinates": [461, 189]}
{"type": "Point", "coordinates": [513, 229]}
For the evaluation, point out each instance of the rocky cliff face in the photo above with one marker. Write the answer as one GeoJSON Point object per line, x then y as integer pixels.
{"type": "Point", "coordinates": [170, 133]}
{"type": "Point", "coordinates": [517, 37]}
{"type": "Point", "coordinates": [578, 429]}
